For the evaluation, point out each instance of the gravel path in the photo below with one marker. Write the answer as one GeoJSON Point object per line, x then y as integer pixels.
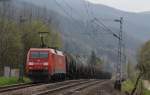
{"type": "Point", "coordinates": [147, 84]}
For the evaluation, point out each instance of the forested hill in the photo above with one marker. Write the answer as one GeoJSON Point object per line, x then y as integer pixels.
{"type": "Point", "coordinates": [80, 35]}
{"type": "Point", "coordinates": [136, 24]}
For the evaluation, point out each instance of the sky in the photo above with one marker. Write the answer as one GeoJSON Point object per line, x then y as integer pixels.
{"type": "Point", "coordinates": [126, 5]}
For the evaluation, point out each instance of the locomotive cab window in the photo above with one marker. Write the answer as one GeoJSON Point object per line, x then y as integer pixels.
{"type": "Point", "coordinates": [43, 54]}
{"type": "Point", "coordinates": [39, 54]}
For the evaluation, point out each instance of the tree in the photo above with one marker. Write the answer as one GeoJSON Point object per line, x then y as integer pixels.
{"type": "Point", "coordinates": [144, 60]}
{"type": "Point", "coordinates": [10, 44]}
{"type": "Point", "coordinates": [131, 70]}
{"type": "Point", "coordinates": [93, 58]}
{"type": "Point", "coordinates": [94, 62]}
{"type": "Point", "coordinates": [143, 65]}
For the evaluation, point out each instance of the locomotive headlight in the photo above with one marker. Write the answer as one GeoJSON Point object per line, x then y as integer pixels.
{"type": "Point", "coordinates": [30, 63]}
{"type": "Point", "coordinates": [45, 64]}
{"type": "Point", "coordinates": [30, 68]}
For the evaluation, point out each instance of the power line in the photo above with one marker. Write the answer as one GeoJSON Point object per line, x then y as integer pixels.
{"type": "Point", "coordinates": [60, 6]}
{"type": "Point", "coordinates": [121, 46]}
{"type": "Point", "coordinates": [98, 22]}
{"type": "Point", "coordinates": [72, 9]}
{"type": "Point", "coordinates": [87, 12]}
{"type": "Point", "coordinates": [67, 13]}
{"type": "Point", "coordinates": [105, 27]}
{"type": "Point", "coordinates": [108, 29]}
{"type": "Point", "coordinates": [87, 7]}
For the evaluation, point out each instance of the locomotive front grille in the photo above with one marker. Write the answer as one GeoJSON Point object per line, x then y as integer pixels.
{"type": "Point", "coordinates": [38, 72]}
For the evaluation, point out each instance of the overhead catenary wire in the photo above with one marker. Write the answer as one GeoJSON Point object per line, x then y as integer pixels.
{"type": "Point", "coordinates": [67, 13]}
{"type": "Point", "coordinates": [93, 20]}
{"type": "Point", "coordinates": [86, 20]}
{"type": "Point", "coordinates": [60, 6]}
{"type": "Point", "coordinates": [86, 5]}
{"type": "Point", "coordinates": [72, 9]}
{"type": "Point", "coordinates": [99, 22]}
{"type": "Point", "coordinates": [107, 29]}
{"type": "Point", "coordinates": [89, 14]}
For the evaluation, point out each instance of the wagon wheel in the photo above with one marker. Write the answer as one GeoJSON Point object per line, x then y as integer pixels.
{"type": "Point", "coordinates": [48, 79]}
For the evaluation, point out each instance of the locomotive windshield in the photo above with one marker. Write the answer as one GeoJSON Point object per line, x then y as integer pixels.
{"type": "Point", "coordinates": [39, 54]}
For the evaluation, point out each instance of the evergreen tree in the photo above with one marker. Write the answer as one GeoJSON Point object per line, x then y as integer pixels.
{"type": "Point", "coordinates": [93, 58]}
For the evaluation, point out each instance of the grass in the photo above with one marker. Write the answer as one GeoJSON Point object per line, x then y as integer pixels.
{"type": "Point", "coordinates": [12, 80]}
{"type": "Point", "coordinates": [128, 86]}
{"type": "Point", "coordinates": [146, 92]}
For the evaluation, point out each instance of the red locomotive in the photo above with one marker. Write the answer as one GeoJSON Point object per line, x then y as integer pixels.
{"type": "Point", "coordinates": [45, 63]}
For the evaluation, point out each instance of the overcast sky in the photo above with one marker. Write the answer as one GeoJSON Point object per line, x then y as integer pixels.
{"type": "Point", "coordinates": [126, 5]}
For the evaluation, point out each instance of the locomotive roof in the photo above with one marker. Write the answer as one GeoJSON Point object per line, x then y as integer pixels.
{"type": "Point", "coordinates": [48, 49]}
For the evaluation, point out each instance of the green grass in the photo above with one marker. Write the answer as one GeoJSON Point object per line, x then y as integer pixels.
{"type": "Point", "coordinates": [146, 92]}
{"type": "Point", "coordinates": [128, 86]}
{"type": "Point", "coordinates": [12, 80]}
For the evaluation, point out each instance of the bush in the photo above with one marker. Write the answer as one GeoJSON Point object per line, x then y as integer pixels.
{"type": "Point", "coordinates": [127, 86]}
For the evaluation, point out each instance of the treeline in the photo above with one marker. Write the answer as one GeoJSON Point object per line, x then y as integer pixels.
{"type": "Point", "coordinates": [19, 31]}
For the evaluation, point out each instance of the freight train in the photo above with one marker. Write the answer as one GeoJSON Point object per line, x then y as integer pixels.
{"type": "Point", "coordinates": [50, 64]}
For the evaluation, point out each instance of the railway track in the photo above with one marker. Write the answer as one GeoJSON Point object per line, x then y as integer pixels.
{"type": "Point", "coordinates": [7, 89]}
{"type": "Point", "coordinates": [18, 86]}
{"type": "Point", "coordinates": [82, 87]}
{"type": "Point", "coordinates": [76, 86]}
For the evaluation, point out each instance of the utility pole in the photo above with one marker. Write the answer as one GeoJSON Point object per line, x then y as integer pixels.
{"type": "Point", "coordinates": [21, 66]}
{"type": "Point", "coordinates": [118, 82]}
{"type": "Point", "coordinates": [121, 54]}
